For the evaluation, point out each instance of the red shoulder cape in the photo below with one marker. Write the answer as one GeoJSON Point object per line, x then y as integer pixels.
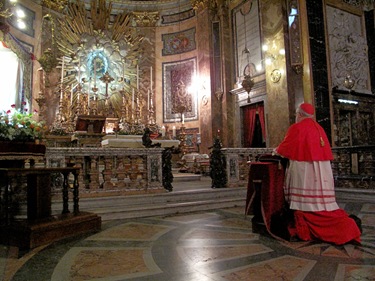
{"type": "Point", "coordinates": [302, 142]}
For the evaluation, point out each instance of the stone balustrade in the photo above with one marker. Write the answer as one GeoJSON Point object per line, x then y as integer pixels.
{"type": "Point", "coordinates": [114, 171]}
{"type": "Point", "coordinates": [237, 163]}
{"type": "Point", "coordinates": [353, 167]}
{"type": "Point", "coordinates": [111, 171]}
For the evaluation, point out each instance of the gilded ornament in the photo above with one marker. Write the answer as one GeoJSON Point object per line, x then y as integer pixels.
{"type": "Point", "coordinates": [48, 60]}
{"type": "Point", "coordinates": [349, 82]}
{"type": "Point", "coordinates": [200, 4]}
{"type": "Point", "coordinates": [146, 18]}
{"type": "Point", "coordinates": [56, 5]}
{"type": "Point", "coordinates": [275, 75]}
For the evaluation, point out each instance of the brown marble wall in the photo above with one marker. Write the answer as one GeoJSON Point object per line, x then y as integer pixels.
{"type": "Point", "coordinates": [205, 101]}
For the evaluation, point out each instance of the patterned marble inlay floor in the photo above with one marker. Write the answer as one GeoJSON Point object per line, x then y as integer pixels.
{"type": "Point", "coordinates": [215, 245]}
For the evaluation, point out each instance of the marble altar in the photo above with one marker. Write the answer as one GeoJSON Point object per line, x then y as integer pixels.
{"type": "Point", "coordinates": [134, 141]}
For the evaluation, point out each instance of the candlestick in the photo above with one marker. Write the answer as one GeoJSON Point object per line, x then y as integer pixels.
{"type": "Point", "coordinates": [148, 100]}
{"type": "Point", "coordinates": [71, 96]}
{"type": "Point", "coordinates": [163, 131]}
{"type": "Point", "coordinates": [62, 78]}
{"type": "Point", "coordinates": [151, 86]}
{"type": "Point", "coordinates": [137, 77]}
{"type": "Point", "coordinates": [174, 131]}
{"type": "Point", "coordinates": [62, 71]}
{"type": "Point", "coordinates": [94, 73]}
{"type": "Point", "coordinates": [182, 118]}
{"type": "Point", "coordinates": [79, 70]}
{"type": "Point", "coordinates": [132, 99]}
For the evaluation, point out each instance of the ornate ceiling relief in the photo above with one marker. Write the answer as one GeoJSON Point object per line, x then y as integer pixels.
{"type": "Point", "coordinates": [99, 60]}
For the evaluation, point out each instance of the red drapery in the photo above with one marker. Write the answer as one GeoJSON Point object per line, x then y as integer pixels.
{"type": "Point", "coordinates": [249, 115]}
{"type": "Point", "coordinates": [261, 119]}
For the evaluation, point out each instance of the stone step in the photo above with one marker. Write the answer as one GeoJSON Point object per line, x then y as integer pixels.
{"type": "Point", "coordinates": [167, 209]}
{"type": "Point", "coordinates": [186, 177]}
{"type": "Point", "coordinates": [121, 207]}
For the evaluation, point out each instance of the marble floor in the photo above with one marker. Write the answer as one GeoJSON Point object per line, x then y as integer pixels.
{"type": "Point", "coordinates": [205, 246]}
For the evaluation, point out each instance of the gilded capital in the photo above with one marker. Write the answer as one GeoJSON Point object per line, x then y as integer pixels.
{"type": "Point", "coordinates": [200, 4]}
{"type": "Point", "coordinates": [146, 18]}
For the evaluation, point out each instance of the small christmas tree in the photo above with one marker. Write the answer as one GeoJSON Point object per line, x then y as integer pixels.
{"type": "Point", "coordinates": [217, 165]}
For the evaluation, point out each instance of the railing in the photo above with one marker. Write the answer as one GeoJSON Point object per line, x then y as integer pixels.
{"type": "Point", "coordinates": [353, 167]}
{"type": "Point", "coordinates": [237, 163]}
{"type": "Point", "coordinates": [33, 186]}
{"type": "Point", "coordinates": [112, 171]}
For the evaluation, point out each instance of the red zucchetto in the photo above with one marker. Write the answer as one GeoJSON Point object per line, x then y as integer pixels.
{"type": "Point", "coordinates": [307, 108]}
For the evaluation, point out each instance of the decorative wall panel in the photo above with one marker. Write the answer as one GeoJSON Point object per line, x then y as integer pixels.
{"type": "Point", "coordinates": [179, 42]}
{"type": "Point", "coordinates": [348, 49]}
{"type": "Point", "coordinates": [178, 93]}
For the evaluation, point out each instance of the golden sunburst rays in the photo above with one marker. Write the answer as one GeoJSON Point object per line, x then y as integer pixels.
{"type": "Point", "coordinates": [91, 34]}
{"type": "Point", "coordinates": [100, 14]}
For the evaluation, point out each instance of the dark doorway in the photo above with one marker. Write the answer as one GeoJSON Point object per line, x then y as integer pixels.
{"type": "Point", "coordinates": [254, 133]}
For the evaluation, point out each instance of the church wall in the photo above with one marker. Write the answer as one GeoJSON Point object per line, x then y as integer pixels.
{"type": "Point", "coordinates": [201, 55]}
{"type": "Point", "coordinates": [314, 84]}
{"type": "Point", "coordinates": [270, 83]}
{"type": "Point", "coordinates": [277, 97]}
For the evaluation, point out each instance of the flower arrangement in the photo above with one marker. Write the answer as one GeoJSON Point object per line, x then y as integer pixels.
{"type": "Point", "coordinates": [19, 125]}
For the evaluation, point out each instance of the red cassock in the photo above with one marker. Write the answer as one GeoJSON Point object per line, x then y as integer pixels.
{"type": "Point", "coordinates": [306, 141]}
{"type": "Point", "coordinates": [330, 226]}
